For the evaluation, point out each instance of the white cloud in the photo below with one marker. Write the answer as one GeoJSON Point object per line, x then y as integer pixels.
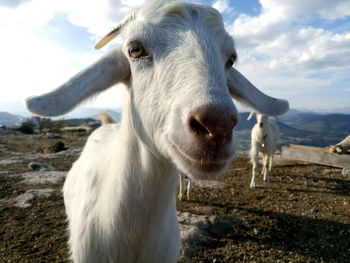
{"type": "Point", "coordinates": [31, 62]}
{"type": "Point", "coordinates": [223, 6]}
{"type": "Point", "coordinates": [284, 55]}
{"type": "Point", "coordinates": [97, 16]}
{"type": "Point", "coordinates": [336, 9]}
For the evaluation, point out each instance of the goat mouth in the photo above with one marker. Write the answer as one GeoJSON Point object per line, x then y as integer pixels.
{"type": "Point", "coordinates": [204, 164]}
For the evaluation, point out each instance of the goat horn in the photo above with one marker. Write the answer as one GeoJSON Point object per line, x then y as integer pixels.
{"type": "Point", "coordinates": [116, 31]}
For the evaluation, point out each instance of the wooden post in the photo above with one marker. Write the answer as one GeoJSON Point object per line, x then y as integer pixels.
{"type": "Point", "coordinates": [315, 155]}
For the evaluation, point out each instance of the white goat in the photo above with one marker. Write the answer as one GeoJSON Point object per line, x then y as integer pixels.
{"type": "Point", "coordinates": [341, 147]}
{"type": "Point", "coordinates": [182, 181]}
{"type": "Point", "coordinates": [264, 137]}
{"type": "Point", "coordinates": [176, 62]}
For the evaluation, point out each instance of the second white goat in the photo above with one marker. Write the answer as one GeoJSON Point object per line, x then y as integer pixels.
{"type": "Point", "coordinates": [264, 138]}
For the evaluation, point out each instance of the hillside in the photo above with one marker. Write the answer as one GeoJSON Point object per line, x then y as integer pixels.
{"type": "Point", "coordinates": [9, 119]}
{"type": "Point", "coordinates": [330, 123]}
{"type": "Point", "coordinates": [319, 123]}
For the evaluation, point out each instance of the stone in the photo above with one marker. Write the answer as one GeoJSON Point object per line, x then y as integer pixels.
{"type": "Point", "coordinates": [42, 177]}
{"type": "Point", "coordinates": [197, 231]}
{"type": "Point", "coordinates": [25, 200]}
{"type": "Point", "coordinates": [36, 166]}
{"type": "Point", "coordinates": [52, 135]}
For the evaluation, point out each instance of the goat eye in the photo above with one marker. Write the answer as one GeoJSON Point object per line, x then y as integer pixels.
{"type": "Point", "coordinates": [230, 61]}
{"type": "Point", "coordinates": [136, 50]}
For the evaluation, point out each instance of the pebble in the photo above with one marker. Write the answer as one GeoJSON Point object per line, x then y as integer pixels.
{"type": "Point", "coordinates": [346, 171]}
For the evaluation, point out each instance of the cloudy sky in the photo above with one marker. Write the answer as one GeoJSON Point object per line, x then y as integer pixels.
{"type": "Point", "coordinates": [294, 49]}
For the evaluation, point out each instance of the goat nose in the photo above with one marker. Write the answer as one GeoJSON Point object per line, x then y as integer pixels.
{"type": "Point", "coordinates": [213, 123]}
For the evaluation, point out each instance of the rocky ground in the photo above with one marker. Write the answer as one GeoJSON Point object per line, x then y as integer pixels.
{"type": "Point", "coordinates": [300, 215]}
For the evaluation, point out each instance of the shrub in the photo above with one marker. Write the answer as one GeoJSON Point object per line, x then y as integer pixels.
{"type": "Point", "coordinates": [27, 127]}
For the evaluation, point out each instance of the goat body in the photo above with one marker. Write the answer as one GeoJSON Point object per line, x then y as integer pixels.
{"type": "Point", "coordinates": [264, 137]}
{"type": "Point", "coordinates": [120, 194]}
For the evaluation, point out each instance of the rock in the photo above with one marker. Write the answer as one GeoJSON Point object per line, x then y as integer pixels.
{"type": "Point", "coordinates": [36, 166]}
{"type": "Point", "coordinates": [19, 158]}
{"type": "Point", "coordinates": [346, 171]}
{"type": "Point", "coordinates": [42, 177]}
{"type": "Point", "coordinates": [54, 147]}
{"type": "Point", "coordinates": [52, 135]}
{"type": "Point", "coordinates": [12, 160]}
{"type": "Point", "coordinates": [202, 209]}
{"type": "Point", "coordinates": [212, 184]}
{"type": "Point", "coordinates": [197, 231]}
{"type": "Point", "coordinates": [25, 200]}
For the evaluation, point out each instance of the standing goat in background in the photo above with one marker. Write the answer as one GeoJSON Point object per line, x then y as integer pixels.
{"type": "Point", "coordinates": [264, 137]}
{"type": "Point", "coordinates": [120, 193]}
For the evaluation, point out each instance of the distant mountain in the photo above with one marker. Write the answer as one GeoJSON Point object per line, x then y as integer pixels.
{"type": "Point", "coordinates": [88, 116]}
{"type": "Point", "coordinates": [76, 117]}
{"type": "Point", "coordinates": [336, 124]}
{"type": "Point", "coordinates": [93, 113]}
{"type": "Point", "coordinates": [116, 115]}
{"type": "Point", "coordinates": [294, 117]}
{"type": "Point", "coordinates": [344, 110]}
{"type": "Point", "coordinates": [81, 113]}
{"type": "Point", "coordinates": [9, 119]}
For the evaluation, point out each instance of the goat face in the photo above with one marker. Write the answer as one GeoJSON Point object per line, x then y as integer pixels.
{"type": "Point", "coordinates": [180, 103]}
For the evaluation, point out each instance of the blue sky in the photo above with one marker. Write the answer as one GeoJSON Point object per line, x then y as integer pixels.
{"type": "Point", "coordinates": [293, 49]}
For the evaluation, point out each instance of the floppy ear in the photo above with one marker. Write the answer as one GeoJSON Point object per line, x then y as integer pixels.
{"type": "Point", "coordinates": [241, 89]}
{"type": "Point", "coordinates": [107, 71]}
{"type": "Point", "coordinates": [252, 113]}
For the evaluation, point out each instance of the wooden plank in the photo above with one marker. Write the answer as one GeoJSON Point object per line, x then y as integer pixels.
{"type": "Point", "coordinates": [309, 148]}
{"type": "Point", "coordinates": [315, 155]}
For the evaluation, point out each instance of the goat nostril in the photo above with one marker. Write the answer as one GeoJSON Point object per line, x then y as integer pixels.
{"type": "Point", "coordinates": [197, 127]}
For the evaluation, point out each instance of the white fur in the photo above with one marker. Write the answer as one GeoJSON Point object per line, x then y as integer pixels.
{"type": "Point", "coordinates": [341, 147]}
{"type": "Point", "coordinates": [178, 115]}
{"type": "Point", "coordinates": [264, 138]}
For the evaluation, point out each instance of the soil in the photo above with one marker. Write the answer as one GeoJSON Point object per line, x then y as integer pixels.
{"type": "Point", "coordinates": [300, 215]}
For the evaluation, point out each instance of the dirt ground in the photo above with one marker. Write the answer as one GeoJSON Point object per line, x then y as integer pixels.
{"type": "Point", "coordinates": [301, 215]}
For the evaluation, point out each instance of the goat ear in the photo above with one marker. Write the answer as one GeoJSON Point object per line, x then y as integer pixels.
{"type": "Point", "coordinates": [251, 115]}
{"type": "Point", "coordinates": [107, 38]}
{"type": "Point", "coordinates": [116, 31]}
{"type": "Point", "coordinates": [107, 71]}
{"type": "Point", "coordinates": [241, 89]}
